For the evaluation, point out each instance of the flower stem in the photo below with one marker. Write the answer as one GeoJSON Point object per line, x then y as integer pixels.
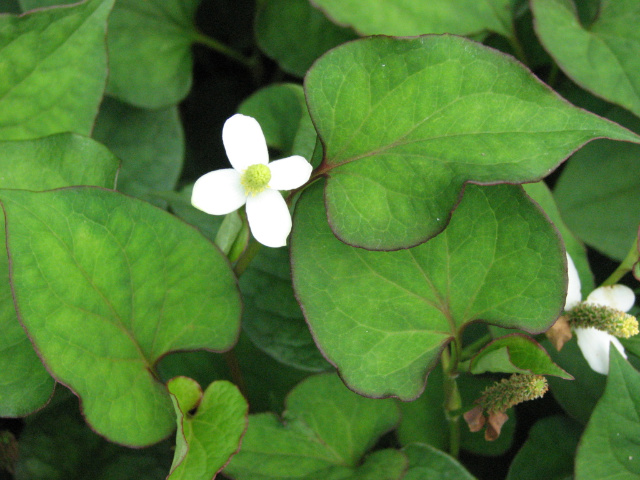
{"type": "Point", "coordinates": [219, 47]}
{"type": "Point", "coordinates": [625, 267]}
{"type": "Point", "coordinates": [245, 259]}
{"type": "Point", "coordinates": [236, 371]}
{"type": "Point", "coordinates": [452, 399]}
{"type": "Point", "coordinates": [473, 348]}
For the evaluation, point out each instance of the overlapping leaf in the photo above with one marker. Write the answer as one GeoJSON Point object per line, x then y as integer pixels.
{"type": "Point", "coordinates": [52, 162]}
{"type": "Point", "coordinates": [416, 17]}
{"type": "Point", "coordinates": [141, 32]}
{"type": "Point", "coordinates": [604, 57]}
{"type": "Point", "coordinates": [207, 438]}
{"type": "Point", "coordinates": [326, 431]}
{"type": "Point", "coordinates": [609, 446]}
{"type": "Point", "coordinates": [105, 285]}
{"type": "Point", "coordinates": [428, 463]}
{"type": "Point", "coordinates": [406, 122]}
{"type": "Point", "coordinates": [54, 65]}
{"type": "Point", "coordinates": [384, 317]}
{"type": "Point", "coordinates": [294, 33]}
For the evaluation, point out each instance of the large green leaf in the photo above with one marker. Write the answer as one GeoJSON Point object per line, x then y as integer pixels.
{"type": "Point", "coordinates": [56, 444]}
{"type": "Point", "coordinates": [211, 435]}
{"type": "Point", "coordinates": [272, 316]}
{"type": "Point", "coordinates": [150, 144]}
{"type": "Point", "coordinates": [140, 33]}
{"type": "Point", "coordinates": [428, 463]}
{"type": "Point", "coordinates": [604, 57]}
{"type": "Point", "coordinates": [610, 445]}
{"type": "Point", "coordinates": [54, 65]}
{"type": "Point", "coordinates": [416, 17]}
{"type": "Point", "coordinates": [549, 451]}
{"type": "Point", "coordinates": [326, 431]}
{"type": "Point", "coordinates": [57, 161]}
{"type": "Point", "coordinates": [105, 285]}
{"type": "Point", "coordinates": [294, 33]}
{"type": "Point", "coordinates": [598, 195]}
{"type": "Point", "coordinates": [406, 122]}
{"type": "Point", "coordinates": [384, 317]}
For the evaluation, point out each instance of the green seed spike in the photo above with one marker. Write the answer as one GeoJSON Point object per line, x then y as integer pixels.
{"type": "Point", "coordinates": [513, 390]}
{"type": "Point", "coordinates": [603, 318]}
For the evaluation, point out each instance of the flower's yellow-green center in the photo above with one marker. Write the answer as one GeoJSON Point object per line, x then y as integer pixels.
{"type": "Point", "coordinates": [255, 178]}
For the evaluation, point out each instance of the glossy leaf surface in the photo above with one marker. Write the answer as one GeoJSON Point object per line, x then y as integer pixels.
{"type": "Point", "coordinates": [60, 160]}
{"type": "Point", "coordinates": [428, 463]}
{"type": "Point", "coordinates": [105, 285]}
{"type": "Point", "coordinates": [384, 317]}
{"type": "Point", "coordinates": [67, 44]}
{"type": "Point", "coordinates": [406, 122]}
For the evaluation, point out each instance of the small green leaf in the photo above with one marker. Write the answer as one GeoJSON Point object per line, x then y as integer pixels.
{"type": "Point", "coordinates": [282, 113]}
{"type": "Point", "coordinates": [384, 317]}
{"type": "Point", "coordinates": [405, 123]}
{"type": "Point", "coordinates": [272, 317]}
{"type": "Point", "coordinates": [609, 446]}
{"type": "Point", "coordinates": [549, 451]}
{"type": "Point", "coordinates": [211, 435]}
{"type": "Point", "coordinates": [150, 144]}
{"type": "Point", "coordinates": [295, 34]}
{"type": "Point", "coordinates": [604, 57]}
{"type": "Point", "coordinates": [326, 431]}
{"type": "Point", "coordinates": [515, 353]}
{"type": "Point", "coordinates": [57, 161]}
{"type": "Point", "coordinates": [54, 68]}
{"type": "Point", "coordinates": [416, 17]}
{"type": "Point", "coordinates": [428, 463]}
{"type": "Point", "coordinates": [598, 195]}
{"type": "Point", "coordinates": [542, 195]}
{"type": "Point", "coordinates": [106, 285]}
{"type": "Point", "coordinates": [56, 444]}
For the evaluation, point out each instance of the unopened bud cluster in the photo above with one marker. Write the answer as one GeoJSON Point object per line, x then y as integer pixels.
{"type": "Point", "coordinates": [604, 318]}
{"type": "Point", "coordinates": [513, 390]}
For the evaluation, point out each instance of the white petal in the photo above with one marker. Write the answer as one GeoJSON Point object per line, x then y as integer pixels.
{"type": "Point", "coordinates": [617, 296]}
{"type": "Point", "coordinates": [218, 192]}
{"type": "Point", "coordinates": [595, 346]}
{"type": "Point", "coordinates": [289, 173]}
{"type": "Point", "coordinates": [269, 218]}
{"type": "Point", "coordinates": [244, 142]}
{"type": "Point", "coordinates": [573, 287]}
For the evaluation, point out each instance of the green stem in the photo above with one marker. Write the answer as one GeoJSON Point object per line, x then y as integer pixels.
{"type": "Point", "coordinates": [245, 259]}
{"type": "Point", "coordinates": [625, 267]}
{"type": "Point", "coordinates": [452, 399]}
{"type": "Point", "coordinates": [553, 74]}
{"type": "Point", "coordinates": [229, 52]}
{"type": "Point", "coordinates": [471, 349]}
{"type": "Point", "coordinates": [236, 371]}
{"type": "Point", "coordinates": [517, 48]}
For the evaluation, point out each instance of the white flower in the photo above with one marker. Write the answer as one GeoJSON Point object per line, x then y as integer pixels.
{"type": "Point", "coordinates": [595, 343]}
{"type": "Point", "coordinates": [252, 180]}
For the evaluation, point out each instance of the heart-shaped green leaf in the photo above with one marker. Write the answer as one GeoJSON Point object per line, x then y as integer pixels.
{"type": "Point", "coordinates": [416, 17]}
{"type": "Point", "coordinates": [384, 317]}
{"type": "Point", "coordinates": [426, 463]}
{"type": "Point", "coordinates": [406, 122]}
{"type": "Point", "coordinates": [140, 32]}
{"type": "Point", "coordinates": [150, 144]}
{"type": "Point", "coordinates": [549, 451]}
{"type": "Point", "coordinates": [210, 436]}
{"type": "Point", "coordinates": [54, 65]}
{"type": "Point", "coordinates": [294, 33]}
{"type": "Point", "coordinates": [604, 57]}
{"type": "Point", "coordinates": [57, 161]}
{"type": "Point", "coordinates": [272, 317]}
{"type": "Point", "coordinates": [609, 446]}
{"type": "Point", "coordinates": [603, 211]}
{"type": "Point", "coordinates": [105, 285]}
{"type": "Point", "coordinates": [515, 353]}
{"type": "Point", "coordinates": [327, 429]}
